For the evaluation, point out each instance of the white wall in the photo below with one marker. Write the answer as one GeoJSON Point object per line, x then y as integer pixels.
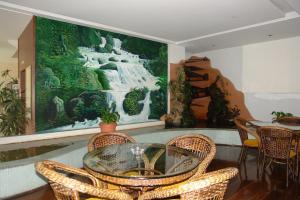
{"type": "Point", "coordinates": [267, 73]}
{"type": "Point", "coordinates": [229, 62]}
{"type": "Point", "coordinates": [275, 66]}
{"type": "Point", "coordinates": [175, 53]}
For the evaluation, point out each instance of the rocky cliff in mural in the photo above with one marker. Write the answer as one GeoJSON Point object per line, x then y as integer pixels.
{"type": "Point", "coordinates": [81, 71]}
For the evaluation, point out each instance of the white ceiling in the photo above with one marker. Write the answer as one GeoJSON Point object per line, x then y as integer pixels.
{"type": "Point", "coordinates": [197, 24]}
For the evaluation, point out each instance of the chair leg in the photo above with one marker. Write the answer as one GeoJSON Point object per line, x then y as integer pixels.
{"type": "Point", "coordinates": [287, 173]}
{"type": "Point", "coordinates": [258, 163]}
{"type": "Point", "coordinates": [244, 161]}
{"type": "Point", "coordinates": [263, 166]}
{"type": "Point", "coordinates": [241, 155]}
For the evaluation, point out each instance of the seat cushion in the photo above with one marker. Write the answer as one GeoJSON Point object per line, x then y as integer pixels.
{"type": "Point", "coordinates": [251, 143]}
{"type": "Point", "coordinates": [292, 154]}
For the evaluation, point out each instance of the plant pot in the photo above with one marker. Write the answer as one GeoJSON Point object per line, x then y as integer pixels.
{"type": "Point", "coordinates": [108, 128]}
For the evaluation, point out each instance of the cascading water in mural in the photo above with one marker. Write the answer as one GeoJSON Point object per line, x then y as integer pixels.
{"type": "Point", "coordinates": [81, 71]}
{"type": "Point", "coordinates": [127, 76]}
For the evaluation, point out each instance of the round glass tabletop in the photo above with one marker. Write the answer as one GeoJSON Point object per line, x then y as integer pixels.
{"type": "Point", "coordinates": [140, 161]}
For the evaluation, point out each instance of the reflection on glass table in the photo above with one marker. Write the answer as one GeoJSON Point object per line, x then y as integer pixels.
{"type": "Point", "coordinates": [141, 166]}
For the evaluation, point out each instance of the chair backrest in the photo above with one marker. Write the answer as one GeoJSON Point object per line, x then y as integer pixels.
{"type": "Point", "coordinates": [67, 188]}
{"type": "Point", "coordinates": [276, 141]}
{"type": "Point", "coordinates": [104, 139]}
{"type": "Point", "coordinates": [209, 186]}
{"type": "Point", "coordinates": [199, 144]}
{"type": "Point", "coordinates": [241, 127]}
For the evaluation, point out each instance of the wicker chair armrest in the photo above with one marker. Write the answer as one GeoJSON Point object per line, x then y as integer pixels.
{"type": "Point", "coordinates": [78, 185]}
{"type": "Point", "coordinates": [96, 182]}
{"type": "Point", "coordinates": [205, 163]}
{"type": "Point", "coordinates": [204, 181]}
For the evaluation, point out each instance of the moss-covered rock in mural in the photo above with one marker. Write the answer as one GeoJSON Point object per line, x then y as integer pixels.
{"type": "Point", "coordinates": [131, 104]}
{"type": "Point", "coordinates": [114, 59]}
{"type": "Point", "coordinates": [88, 105]}
{"type": "Point", "coordinates": [103, 79]}
{"type": "Point", "coordinates": [111, 66]}
{"type": "Point", "coordinates": [89, 81]}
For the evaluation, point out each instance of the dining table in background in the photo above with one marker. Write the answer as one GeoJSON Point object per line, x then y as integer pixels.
{"type": "Point", "coordinates": [275, 124]}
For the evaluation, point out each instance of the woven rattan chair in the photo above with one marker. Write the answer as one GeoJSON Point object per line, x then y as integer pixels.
{"type": "Point", "coordinates": [209, 186]}
{"type": "Point", "coordinates": [247, 143]}
{"type": "Point", "coordinates": [199, 144]}
{"type": "Point", "coordinates": [276, 143]}
{"type": "Point", "coordinates": [104, 139]}
{"type": "Point", "coordinates": [68, 188]}
{"type": "Point", "coordinates": [242, 126]}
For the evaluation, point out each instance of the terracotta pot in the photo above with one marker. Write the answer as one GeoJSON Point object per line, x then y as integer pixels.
{"type": "Point", "coordinates": [107, 128]}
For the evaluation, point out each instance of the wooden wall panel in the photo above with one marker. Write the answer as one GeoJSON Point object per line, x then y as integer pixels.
{"type": "Point", "coordinates": [26, 58]}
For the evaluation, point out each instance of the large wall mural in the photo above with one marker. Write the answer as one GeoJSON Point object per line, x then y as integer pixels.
{"type": "Point", "coordinates": [81, 71]}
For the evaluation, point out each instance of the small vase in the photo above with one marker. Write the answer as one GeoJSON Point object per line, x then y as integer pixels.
{"type": "Point", "coordinates": [108, 128]}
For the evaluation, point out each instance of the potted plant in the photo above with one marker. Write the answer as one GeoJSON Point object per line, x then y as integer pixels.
{"type": "Point", "coordinates": [109, 118]}
{"type": "Point", "coordinates": [279, 115]}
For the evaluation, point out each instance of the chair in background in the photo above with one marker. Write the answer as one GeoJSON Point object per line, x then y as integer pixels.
{"type": "Point", "coordinates": [199, 144]}
{"type": "Point", "coordinates": [208, 186]}
{"type": "Point", "coordinates": [104, 139]}
{"type": "Point", "coordinates": [276, 143]}
{"type": "Point", "coordinates": [69, 188]}
{"type": "Point", "coordinates": [243, 129]}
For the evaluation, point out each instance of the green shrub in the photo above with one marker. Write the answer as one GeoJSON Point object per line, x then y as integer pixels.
{"type": "Point", "coordinates": [131, 103]}
{"type": "Point", "coordinates": [158, 106]}
{"type": "Point", "coordinates": [103, 79]}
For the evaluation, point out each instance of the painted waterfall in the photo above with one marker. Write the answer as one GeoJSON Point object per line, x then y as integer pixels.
{"type": "Point", "coordinates": [80, 71]}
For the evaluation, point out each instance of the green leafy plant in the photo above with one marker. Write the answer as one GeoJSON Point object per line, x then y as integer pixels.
{"type": "Point", "coordinates": [110, 115]}
{"type": "Point", "coordinates": [219, 113]}
{"type": "Point", "coordinates": [278, 115]}
{"type": "Point", "coordinates": [132, 104]}
{"type": "Point", "coordinates": [12, 109]}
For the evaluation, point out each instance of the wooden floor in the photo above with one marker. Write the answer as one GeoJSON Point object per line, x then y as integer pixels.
{"type": "Point", "coordinates": [271, 187]}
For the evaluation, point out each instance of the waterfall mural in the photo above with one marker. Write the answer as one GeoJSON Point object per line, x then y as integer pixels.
{"type": "Point", "coordinates": [80, 71]}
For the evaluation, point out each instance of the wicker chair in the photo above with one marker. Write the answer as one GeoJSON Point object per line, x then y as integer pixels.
{"type": "Point", "coordinates": [276, 143]}
{"type": "Point", "coordinates": [67, 188]}
{"type": "Point", "coordinates": [247, 143]}
{"type": "Point", "coordinates": [201, 145]}
{"type": "Point", "coordinates": [104, 139]}
{"type": "Point", "coordinates": [209, 186]}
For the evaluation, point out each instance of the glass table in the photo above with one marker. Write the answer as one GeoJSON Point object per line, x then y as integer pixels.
{"type": "Point", "coordinates": [141, 166]}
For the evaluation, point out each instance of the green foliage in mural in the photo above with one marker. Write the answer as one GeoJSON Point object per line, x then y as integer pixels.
{"type": "Point", "coordinates": [131, 104]}
{"type": "Point", "coordinates": [102, 79]}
